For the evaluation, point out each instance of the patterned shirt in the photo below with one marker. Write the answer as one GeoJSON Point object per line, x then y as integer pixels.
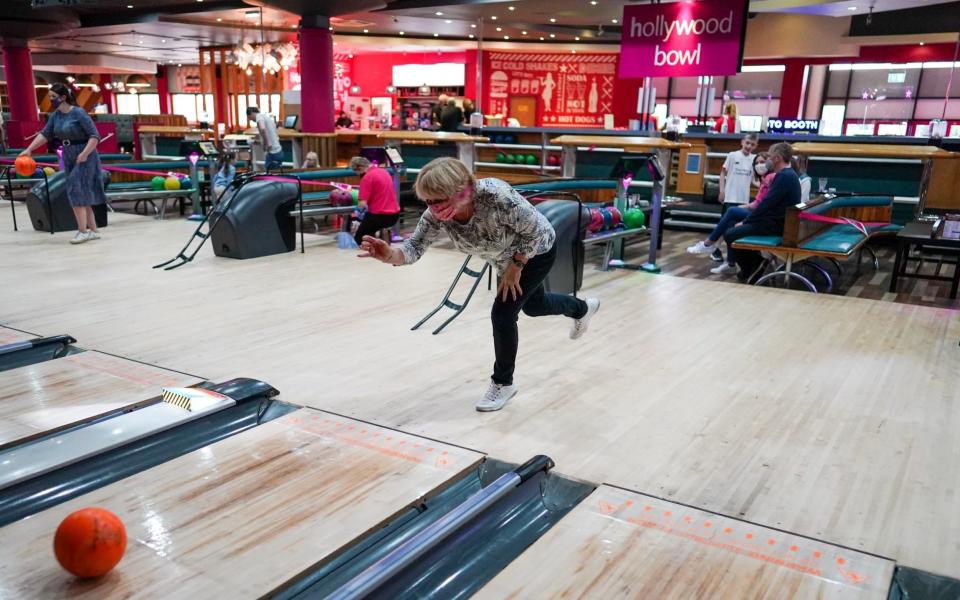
{"type": "Point", "coordinates": [503, 224]}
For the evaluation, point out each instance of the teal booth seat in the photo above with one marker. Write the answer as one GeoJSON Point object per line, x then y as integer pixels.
{"type": "Point", "coordinates": [770, 241]}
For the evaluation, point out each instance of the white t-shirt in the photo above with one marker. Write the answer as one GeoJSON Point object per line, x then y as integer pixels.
{"type": "Point", "coordinates": [269, 131]}
{"type": "Point", "coordinates": [739, 167]}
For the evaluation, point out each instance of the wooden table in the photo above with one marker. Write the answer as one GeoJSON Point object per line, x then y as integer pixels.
{"type": "Point", "coordinates": [48, 396]}
{"type": "Point", "coordinates": [627, 143]}
{"type": "Point", "coordinates": [243, 516]}
{"type": "Point", "coordinates": [918, 234]}
{"type": "Point", "coordinates": [147, 138]}
{"type": "Point", "coordinates": [466, 150]}
{"type": "Point", "coordinates": [621, 544]}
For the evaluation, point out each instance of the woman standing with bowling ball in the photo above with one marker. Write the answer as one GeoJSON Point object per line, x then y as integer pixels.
{"type": "Point", "coordinates": [490, 219]}
{"type": "Point", "coordinates": [74, 128]}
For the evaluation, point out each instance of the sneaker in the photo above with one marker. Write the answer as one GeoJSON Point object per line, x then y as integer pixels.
{"type": "Point", "coordinates": [580, 325]}
{"type": "Point", "coordinates": [496, 397]}
{"type": "Point", "coordinates": [725, 269]}
{"type": "Point", "coordinates": [81, 237]}
{"type": "Point", "coordinates": [717, 256]}
{"type": "Point", "coordinates": [701, 248]}
{"type": "Point", "coordinates": [93, 235]}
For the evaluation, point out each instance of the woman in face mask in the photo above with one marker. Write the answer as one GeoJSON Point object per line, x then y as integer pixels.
{"type": "Point", "coordinates": [74, 128]}
{"type": "Point", "coordinates": [763, 167]}
{"type": "Point", "coordinates": [489, 219]}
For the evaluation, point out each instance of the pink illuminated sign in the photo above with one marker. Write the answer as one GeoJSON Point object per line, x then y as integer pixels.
{"type": "Point", "coordinates": [682, 39]}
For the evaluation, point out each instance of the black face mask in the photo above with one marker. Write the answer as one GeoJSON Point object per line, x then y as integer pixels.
{"type": "Point", "coordinates": [55, 102]}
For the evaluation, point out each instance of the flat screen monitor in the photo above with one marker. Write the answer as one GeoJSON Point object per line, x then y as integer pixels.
{"type": "Point", "coordinates": [290, 121]}
{"type": "Point", "coordinates": [751, 123]}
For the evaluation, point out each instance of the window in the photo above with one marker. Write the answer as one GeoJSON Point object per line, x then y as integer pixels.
{"type": "Point", "coordinates": [138, 104]}
{"type": "Point", "coordinates": [186, 105]}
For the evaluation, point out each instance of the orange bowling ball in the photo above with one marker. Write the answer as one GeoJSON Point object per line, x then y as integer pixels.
{"type": "Point", "coordinates": [90, 542]}
{"type": "Point", "coordinates": [25, 166]}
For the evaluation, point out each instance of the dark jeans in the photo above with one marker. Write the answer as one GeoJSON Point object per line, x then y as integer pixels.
{"type": "Point", "coordinates": [731, 216]}
{"type": "Point", "coordinates": [747, 260]}
{"type": "Point", "coordinates": [273, 161]}
{"type": "Point", "coordinates": [372, 223]}
{"type": "Point", "coordinates": [534, 302]}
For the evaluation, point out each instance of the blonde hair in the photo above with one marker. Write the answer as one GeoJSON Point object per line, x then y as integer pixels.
{"type": "Point", "coordinates": [730, 109]}
{"type": "Point", "coordinates": [442, 178]}
{"type": "Point", "coordinates": [359, 162]}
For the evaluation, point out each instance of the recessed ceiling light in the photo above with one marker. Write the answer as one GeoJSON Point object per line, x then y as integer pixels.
{"type": "Point", "coordinates": [447, 21]}
{"type": "Point", "coordinates": [402, 32]}
{"type": "Point", "coordinates": [851, 8]}
{"type": "Point", "coordinates": [593, 2]}
{"type": "Point", "coordinates": [129, 6]}
{"type": "Point", "coordinates": [334, 43]}
{"type": "Point", "coordinates": [524, 32]}
{"type": "Point", "coordinates": [511, 8]}
{"type": "Point", "coordinates": [163, 41]}
{"type": "Point", "coordinates": [614, 21]}
{"type": "Point", "coordinates": [573, 51]}
{"type": "Point", "coordinates": [541, 38]}
{"type": "Point", "coordinates": [436, 35]}
{"type": "Point", "coordinates": [366, 31]}
{"type": "Point", "coordinates": [499, 28]}
{"type": "Point", "coordinates": [494, 17]}
{"type": "Point", "coordinates": [552, 20]}
{"type": "Point", "coordinates": [921, 43]}
{"type": "Point", "coordinates": [119, 43]}
{"type": "Point", "coordinates": [577, 38]}
{"type": "Point", "coordinates": [473, 25]}
{"type": "Point", "coordinates": [219, 19]}
{"type": "Point", "coordinates": [350, 55]}
{"type": "Point", "coordinates": [552, 35]}
{"type": "Point", "coordinates": [140, 42]}
{"type": "Point", "coordinates": [439, 13]}
{"type": "Point", "coordinates": [179, 64]}
{"type": "Point", "coordinates": [506, 37]}
{"type": "Point", "coordinates": [471, 36]}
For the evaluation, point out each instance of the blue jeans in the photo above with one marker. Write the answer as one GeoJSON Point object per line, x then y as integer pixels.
{"type": "Point", "coordinates": [273, 161]}
{"type": "Point", "coordinates": [734, 215]}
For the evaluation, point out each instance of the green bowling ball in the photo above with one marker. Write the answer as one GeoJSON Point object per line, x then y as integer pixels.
{"type": "Point", "coordinates": [511, 159]}
{"type": "Point", "coordinates": [501, 157]}
{"type": "Point", "coordinates": [634, 218]}
{"type": "Point", "coordinates": [157, 182]}
{"type": "Point", "coordinates": [531, 159]}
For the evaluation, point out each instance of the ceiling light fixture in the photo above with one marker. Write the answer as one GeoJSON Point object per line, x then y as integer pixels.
{"type": "Point", "coordinates": [163, 41]}
{"type": "Point", "coordinates": [506, 37]}
{"type": "Point", "coordinates": [439, 13]}
{"type": "Point", "coordinates": [524, 32]}
{"type": "Point", "coordinates": [614, 21]}
{"type": "Point", "coordinates": [129, 6]}
{"type": "Point", "coordinates": [436, 35]}
{"type": "Point", "coordinates": [851, 8]}
{"type": "Point", "coordinates": [219, 20]}
{"type": "Point", "coordinates": [473, 25]}
{"type": "Point", "coordinates": [552, 35]}
{"type": "Point", "coordinates": [402, 33]}
{"type": "Point", "coordinates": [573, 51]}
{"type": "Point", "coordinates": [366, 31]}
{"type": "Point", "coordinates": [552, 20]}
{"type": "Point", "coordinates": [499, 28]}
{"type": "Point", "coordinates": [541, 38]}
{"type": "Point", "coordinates": [471, 36]}
{"type": "Point", "coordinates": [593, 2]}
{"type": "Point", "coordinates": [511, 8]}
{"type": "Point", "coordinates": [494, 17]}
{"type": "Point", "coordinates": [577, 38]}
{"type": "Point", "coordinates": [448, 21]}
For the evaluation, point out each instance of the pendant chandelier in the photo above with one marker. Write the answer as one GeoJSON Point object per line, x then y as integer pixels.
{"type": "Point", "coordinates": [271, 57]}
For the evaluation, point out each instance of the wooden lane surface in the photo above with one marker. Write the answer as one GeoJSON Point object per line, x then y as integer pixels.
{"type": "Point", "coordinates": [50, 395]}
{"type": "Point", "coordinates": [814, 149]}
{"type": "Point", "coordinates": [827, 416]}
{"type": "Point", "coordinates": [241, 517]}
{"type": "Point", "coordinates": [620, 544]}
{"type": "Point", "coordinates": [9, 336]}
{"type": "Point", "coordinates": [173, 130]}
{"type": "Point", "coordinates": [627, 142]}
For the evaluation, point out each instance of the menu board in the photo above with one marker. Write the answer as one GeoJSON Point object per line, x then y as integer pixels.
{"type": "Point", "coordinates": [570, 90]}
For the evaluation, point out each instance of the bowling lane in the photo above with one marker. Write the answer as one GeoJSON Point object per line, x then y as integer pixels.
{"type": "Point", "coordinates": [241, 517]}
{"type": "Point", "coordinates": [9, 336]}
{"type": "Point", "coordinates": [51, 395]}
{"type": "Point", "coordinates": [621, 544]}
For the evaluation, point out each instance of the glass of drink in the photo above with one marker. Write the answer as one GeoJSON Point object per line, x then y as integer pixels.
{"type": "Point", "coordinates": [822, 184]}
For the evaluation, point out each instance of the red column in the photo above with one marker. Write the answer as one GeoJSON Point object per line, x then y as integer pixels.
{"type": "Point", "coordinates": [106, 95]}
{"type": "Point", "coordinates": [163, 90]}
{"type": "Point", "coordinates": [792, 89]}
{"type": "Point", "coordinates": [220, 98]}
{"type": "Point", "coordinates": [316, 73]}
{"type": "Point", "coordinates": [24, 114]}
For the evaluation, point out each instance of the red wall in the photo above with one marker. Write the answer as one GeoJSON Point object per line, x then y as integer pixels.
{"type": "Point", "coordinates": [374, 72]}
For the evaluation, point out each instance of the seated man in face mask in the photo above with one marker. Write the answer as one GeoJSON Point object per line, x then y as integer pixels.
{"type": "Point", "coordinates": [767, 218]}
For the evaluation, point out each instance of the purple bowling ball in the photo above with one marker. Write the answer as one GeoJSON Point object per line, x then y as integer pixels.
{"type": "Point", "coordinates": [340, 197]}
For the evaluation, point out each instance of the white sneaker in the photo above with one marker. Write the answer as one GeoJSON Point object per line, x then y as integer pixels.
{"type": "Point", "coordinates": [496, 397]}
{"type": "Point", "coordinates": [725, 269]}
{"type": "Point", "coordinates": [80, 238]}
{"type": "Point", "coordinates": [580, 325]}
{"type": "Point", "coordinates": [701, 248]}
{"type": "Point", "coordinates": [93, 235]}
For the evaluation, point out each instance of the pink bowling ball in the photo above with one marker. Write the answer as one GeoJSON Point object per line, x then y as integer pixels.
{"type": "Point", "coordinates": [340, 197]}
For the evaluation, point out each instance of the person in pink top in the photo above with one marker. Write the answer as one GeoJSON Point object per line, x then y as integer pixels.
{"type": "Point", "coordinates": [378, 198]}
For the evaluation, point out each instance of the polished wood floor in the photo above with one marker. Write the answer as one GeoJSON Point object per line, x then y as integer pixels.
{"type": "Point", "coordinates": [827, 416]}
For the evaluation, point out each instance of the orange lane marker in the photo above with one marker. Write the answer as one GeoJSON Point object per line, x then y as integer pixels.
{"type": "Point", "coordinates": [749, 536]}
{"type": "Point", "coordinates": [771, 542]}
{"type": "Point", "coordinates": [840, 561]}
{"type": "Point", "coordinates": [607, 508]}
{"type": "Point", "coordinates": [817, 554]}
{"type": "Point", "coordinates": [793, 548]}
{"type": "Point", "coordinates": [708, 524]}
{"type": "Point", "coordinates": [727, 530]}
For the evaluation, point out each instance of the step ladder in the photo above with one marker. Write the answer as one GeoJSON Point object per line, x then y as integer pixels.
{"type": "Point", "coordinates": [459, 308]}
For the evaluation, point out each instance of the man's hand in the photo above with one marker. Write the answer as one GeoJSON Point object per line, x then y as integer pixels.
{"type": "Point", "coordinates": [375, 248]}
{"type": "Point", "coordinates": [82, 157]}
{"type": "Point", "coordinates": [510, 283]}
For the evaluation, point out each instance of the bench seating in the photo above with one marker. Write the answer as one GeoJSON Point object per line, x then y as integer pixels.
{"type": "Point", "coordinates": [804, 238]}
